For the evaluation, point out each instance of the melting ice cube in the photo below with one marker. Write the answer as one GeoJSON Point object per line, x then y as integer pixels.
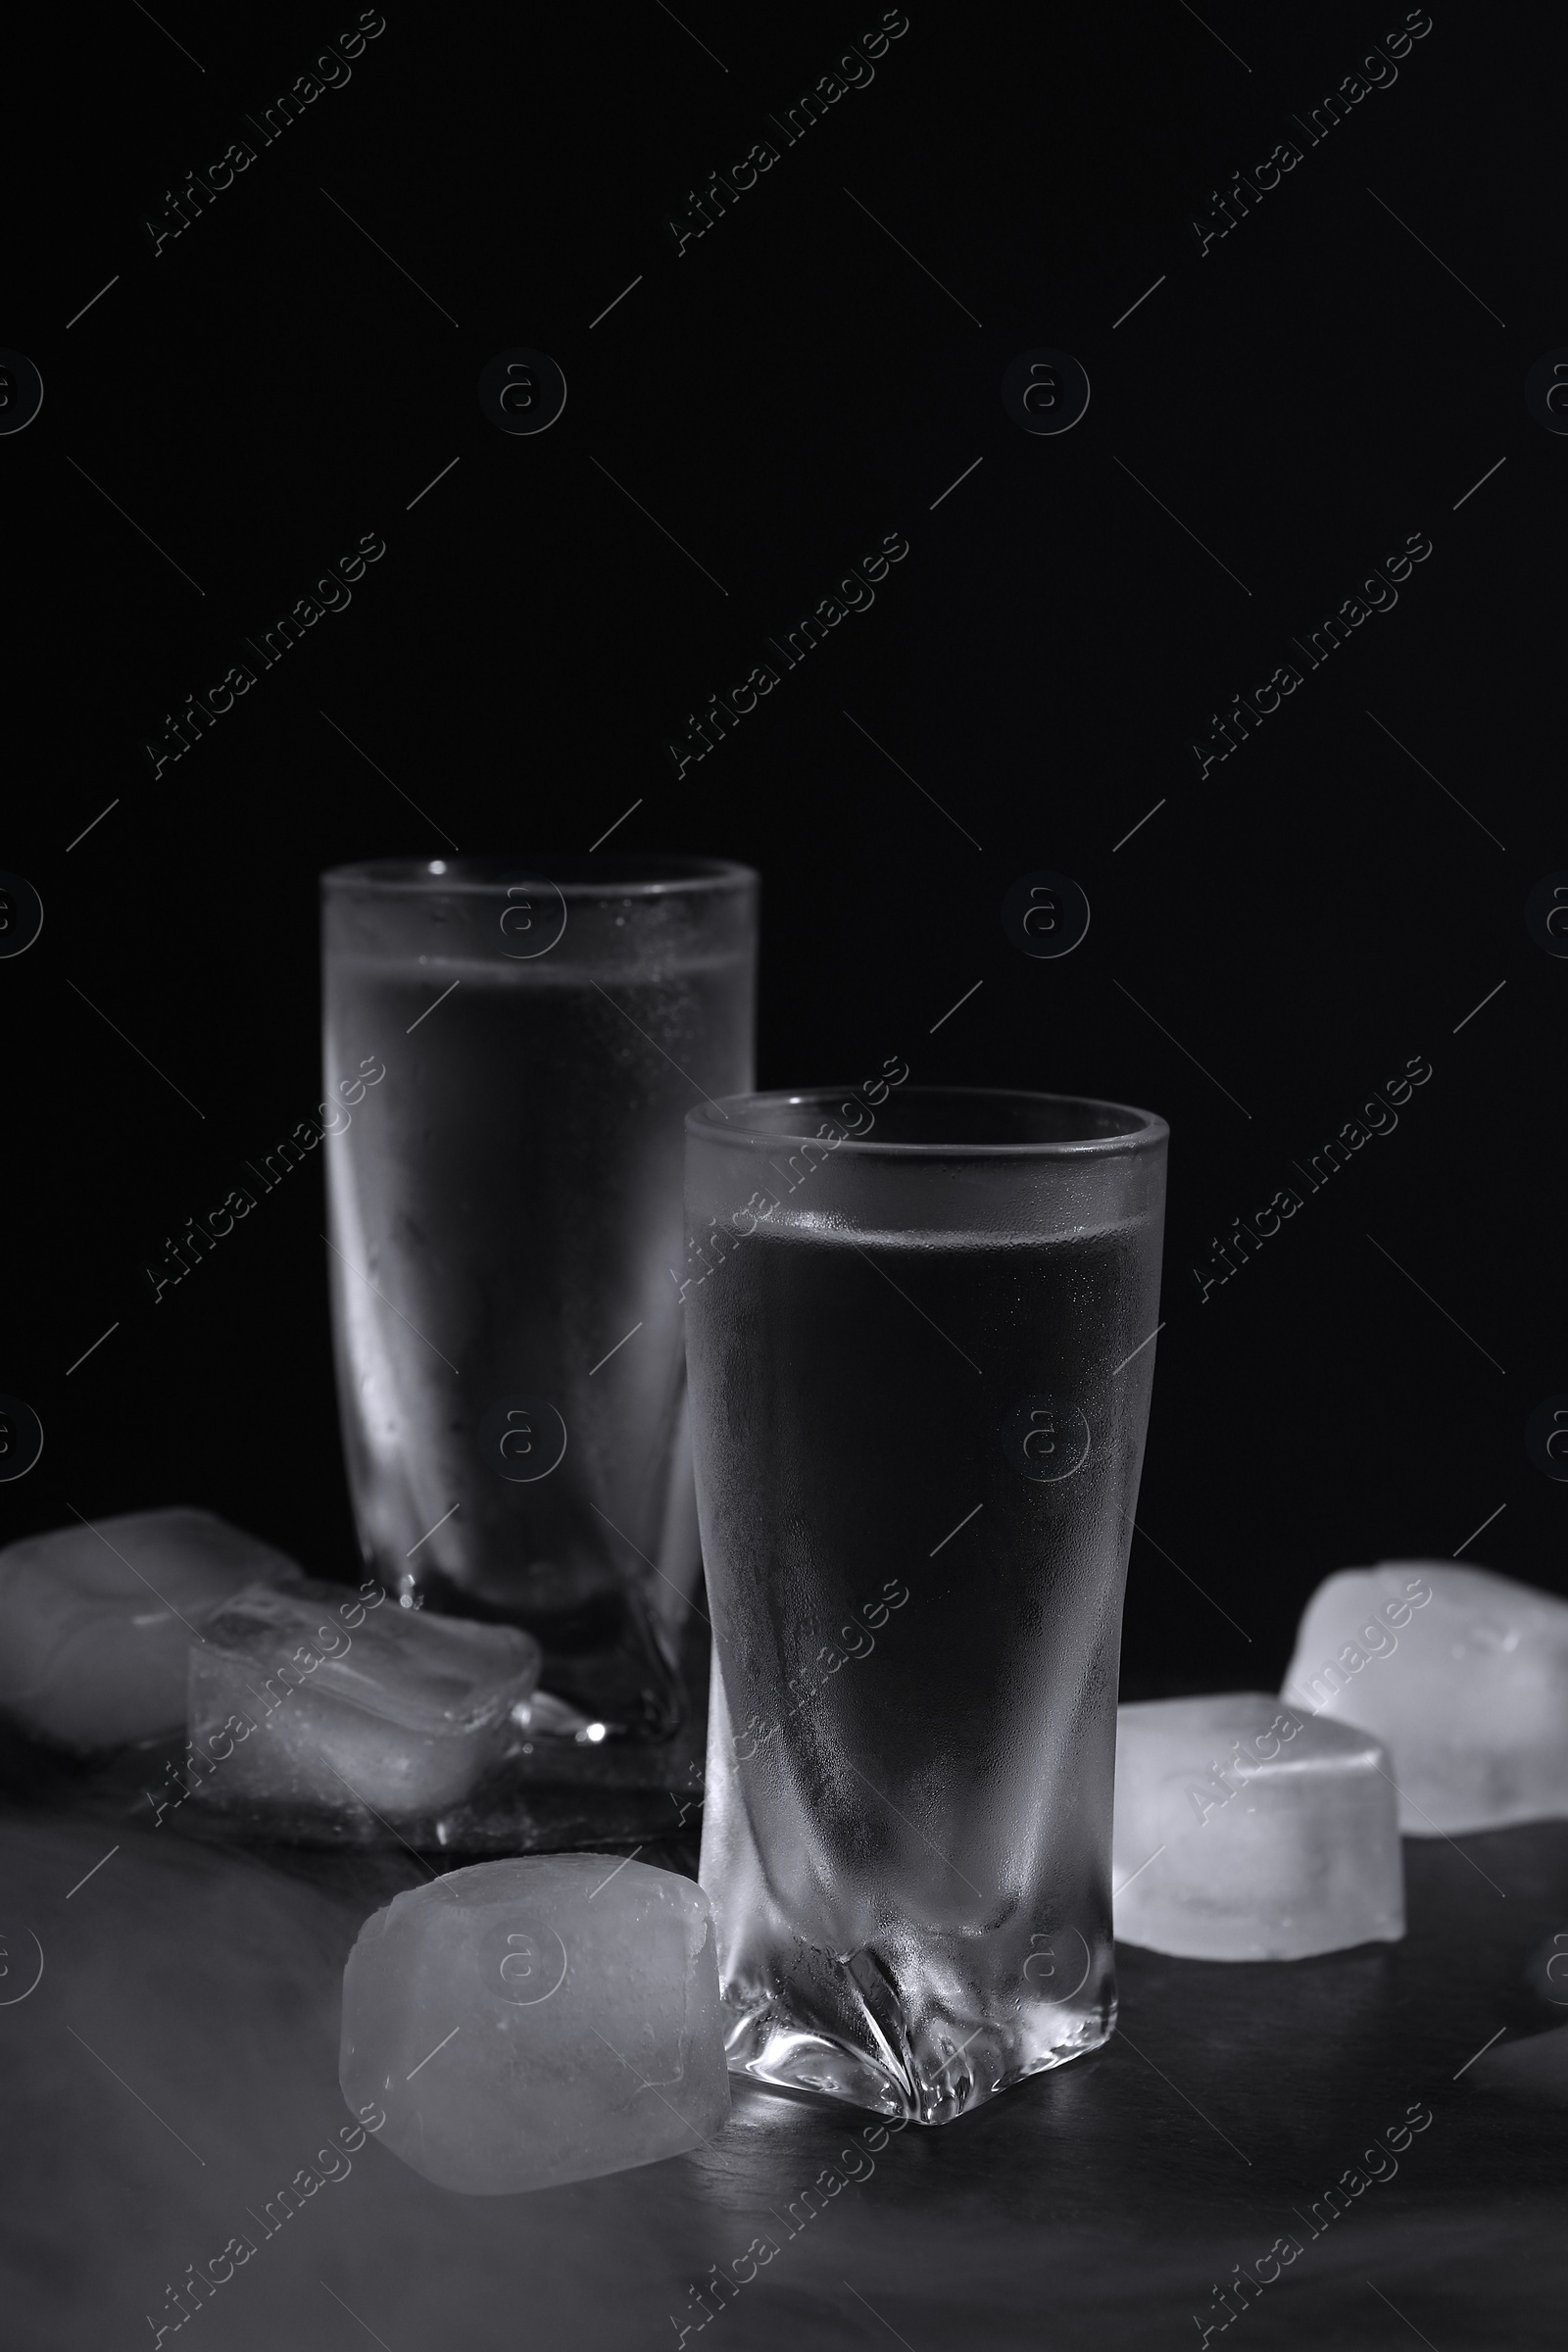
{"type": "Point", "coordinates": [537, 2021]}
{"type": "Point", "coordinates": [318, 1702]}
{"type": "Point", "coordinates": [95, 1620]}
{"type": "Point", "coordinates": [1247, 1831]}
{"type": "Point", "coordinates": [1462, 1675]}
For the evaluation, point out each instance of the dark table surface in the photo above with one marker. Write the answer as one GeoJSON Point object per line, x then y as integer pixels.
{"type": "Point", "coordinates": [176, 2062]}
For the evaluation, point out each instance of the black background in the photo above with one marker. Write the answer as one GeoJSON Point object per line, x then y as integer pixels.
{"type": "Point", "coordinates": [1306, 395]}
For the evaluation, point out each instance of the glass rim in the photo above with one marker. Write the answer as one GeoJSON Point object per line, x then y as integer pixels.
{"type": "Point", "coordinates": [1141, 1131]}
{"type": "Point", "coordinates": [626, 873]}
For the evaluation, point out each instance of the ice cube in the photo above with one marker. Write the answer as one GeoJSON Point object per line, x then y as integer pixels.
{"type": "Point", "coordinates": [537, 2021]}
{"type": "Point", "coordinates": [95, 1620]}
{"type": "Point", "coordinates": [1462, 1675]}
{"type": "Point", "coordinates": [319, 1704]}
{"type": "Point", "coordinates": [1247, 1831]}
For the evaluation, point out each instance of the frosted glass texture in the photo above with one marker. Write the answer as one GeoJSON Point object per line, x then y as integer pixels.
{"type": "Point", "coordinates": [920, 1360]}
{"type": "Point", "coordinates": [510, 1054]}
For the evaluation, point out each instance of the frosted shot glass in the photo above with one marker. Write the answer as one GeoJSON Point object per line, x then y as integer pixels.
{"type": "Point", "coordinates": [920, 1356]}
{"type": "Point", "coordinates": [513, 1046]}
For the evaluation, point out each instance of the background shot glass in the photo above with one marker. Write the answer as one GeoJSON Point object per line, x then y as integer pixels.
{"type": "Point", "coordinates": [506, 1223]}
{"type": "Point", "coordinates": [921, 1388]}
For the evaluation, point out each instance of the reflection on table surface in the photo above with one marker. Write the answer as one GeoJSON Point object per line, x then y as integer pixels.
{"type": "Point", "coordinates": [176, 2066]}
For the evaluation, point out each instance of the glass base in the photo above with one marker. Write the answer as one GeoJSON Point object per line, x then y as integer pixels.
{"type": "Point", "coordinates": [929, 2069]}
{"type": "Point", "coordinates": [609, 1659]}
{"type": "Point", "coordinates": [854, 1958]}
